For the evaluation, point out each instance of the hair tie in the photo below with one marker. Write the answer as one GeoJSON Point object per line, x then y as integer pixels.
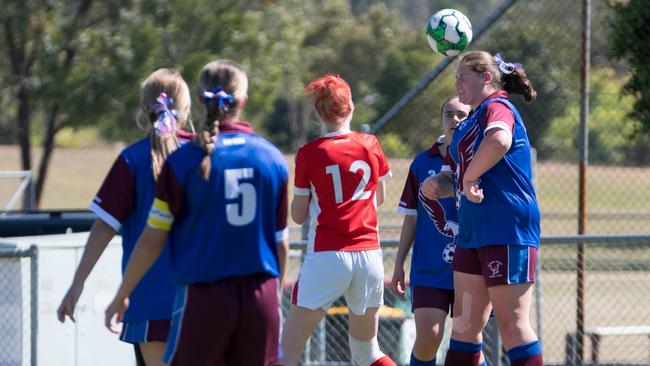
{"type": "Point", "coordinates": [506, 67]}
{"type": "Point", "coordinates": [165, 123]}
{"type": "Point", "coordinates": [219, 96]}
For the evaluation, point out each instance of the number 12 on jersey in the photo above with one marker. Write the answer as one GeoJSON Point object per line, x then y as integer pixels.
{"type": "Point", "coordinates": [359, 193]}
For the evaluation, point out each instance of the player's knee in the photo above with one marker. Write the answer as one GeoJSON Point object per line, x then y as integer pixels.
{"type": "Point", "coordinates": [428, 340]}
{"type": "Point", "coordinates": [365, 352]}
{"type": "Point", "coordinates": [513, 329]}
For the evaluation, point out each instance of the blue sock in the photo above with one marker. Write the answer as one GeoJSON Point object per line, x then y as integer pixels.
{"type": "Point", "coordinates": [465, 346]}
{"type": "Point", "coordinates": [416, 362]}
{"type": "Point", "coordinates": [526, 354]}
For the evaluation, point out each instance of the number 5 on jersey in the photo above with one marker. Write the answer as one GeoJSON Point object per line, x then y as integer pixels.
{"type": "Point", "coordinates": [359, 193]}
{"type": "Point", "coordinates": [236, 214]}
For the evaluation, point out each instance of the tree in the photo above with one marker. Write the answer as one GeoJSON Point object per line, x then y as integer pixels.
{"type": "Point", "coordinates": [68, 62]}
{"type": "Point", "coordinates": [629, 41]}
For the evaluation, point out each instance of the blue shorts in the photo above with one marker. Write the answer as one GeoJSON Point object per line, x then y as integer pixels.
{"type": "Point", "coordinates": [145, 331]}
{"type": "Point", "coordinates": [498, 264]}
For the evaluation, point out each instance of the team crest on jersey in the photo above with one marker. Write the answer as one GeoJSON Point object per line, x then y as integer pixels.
{"type": "Point", "coordinates": [445, 227]}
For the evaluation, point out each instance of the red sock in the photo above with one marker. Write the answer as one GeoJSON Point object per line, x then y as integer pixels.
{"type": "Point", "coordinates": [384, 361]}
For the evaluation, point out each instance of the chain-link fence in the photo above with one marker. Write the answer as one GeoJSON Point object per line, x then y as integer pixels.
{"type": "Point", "coordinates": [18, 306]}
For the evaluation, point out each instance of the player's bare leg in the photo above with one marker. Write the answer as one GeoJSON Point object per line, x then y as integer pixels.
{"type": "Point", "coordinates": [153, 353]}
{"type": "Point", "coordinates": [512, 307]}
{"type": "Point", "coordinates": [299, 325]}
{"type": "Point", "coordinates": [430, 326]}
{"type": "Point", "coordinates": [471, 313]}
{"type": "Point", "coordinates": [362, 331]}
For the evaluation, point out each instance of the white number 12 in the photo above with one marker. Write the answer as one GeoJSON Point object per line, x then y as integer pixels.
{"type": "Point", "coordinates": [359, 193]}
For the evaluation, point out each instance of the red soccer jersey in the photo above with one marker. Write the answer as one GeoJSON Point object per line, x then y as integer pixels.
{"type": "Point", "coordinates": [340, 171]}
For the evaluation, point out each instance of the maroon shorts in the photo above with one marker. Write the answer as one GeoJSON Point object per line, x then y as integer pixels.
{"type": "Point", "coordinates": [235, 321]}
{"type": "Point", "coordinates": [431, 297]}
{"type": "Point", "coordinates": [498, 264]}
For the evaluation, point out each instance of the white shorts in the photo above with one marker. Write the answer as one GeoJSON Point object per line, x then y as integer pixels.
{"type": "Point", "coordinates": [326, 276]}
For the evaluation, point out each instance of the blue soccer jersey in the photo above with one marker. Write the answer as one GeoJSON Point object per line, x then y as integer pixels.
{"type": "Point", "coordinates": [229, 225]}
{"type": "Point", "coordinates": [123, 202]}
{"type": "Point", "coordinates": [436, 225]}
{"type": "Point", "coordinates": [509, 213]}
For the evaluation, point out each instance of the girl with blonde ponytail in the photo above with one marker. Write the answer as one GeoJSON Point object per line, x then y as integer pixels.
{"type": "Point", "coordinates": [122, 205]}
{"type": "Point", "coordinates": [222, 202]}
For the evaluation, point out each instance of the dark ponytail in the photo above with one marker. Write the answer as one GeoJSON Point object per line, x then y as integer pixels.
{"type": "Point", "coordinates": [508, 76]}
{"type": "Point", "coordinates": [517, 83]}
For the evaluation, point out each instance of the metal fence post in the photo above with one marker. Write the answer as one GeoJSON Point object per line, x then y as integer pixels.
{"type": "Point", "coordinates": [33, 266]}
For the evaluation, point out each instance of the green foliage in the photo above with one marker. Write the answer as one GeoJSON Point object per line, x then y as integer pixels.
{"type": "Point", "coordinates": [611, 134]}
{"type": "Point", "coordinates": [394, 147]}
{"type": "Point", "coordinates": [629, 41]}
{"type": "Point", "coordinates": [546, 45]}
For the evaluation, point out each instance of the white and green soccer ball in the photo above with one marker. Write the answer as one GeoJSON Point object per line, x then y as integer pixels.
{"type": "Point", "coordinates": [449, 32]}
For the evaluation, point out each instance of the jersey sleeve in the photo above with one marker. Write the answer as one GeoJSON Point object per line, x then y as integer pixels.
{"type": "Point", "coordinates": [168, 202]}
{"type": "Point", "coordinates": [301, 185]}
{"type": "Point", "coordinates": [281, 214]}
{"type": "Point", "coordinates": [115, 198]}
{"type": "Point", "coordinates": [408, 203]}
{"type": "Point", "coordinates": [384, 167]}
{"type": "Point", "coordinates": [497, 115]}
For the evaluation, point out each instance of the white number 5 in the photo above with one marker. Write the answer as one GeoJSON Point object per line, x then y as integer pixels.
{"type": "Point", "coordinates": [236, 215]}
{"type": "Point", "coordinates": [359, 193]}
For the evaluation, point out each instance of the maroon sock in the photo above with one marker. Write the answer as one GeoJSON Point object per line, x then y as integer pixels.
{"type": "Point", "coordinates": [459, 358]}
{"type": "Point", "coordinates": [535, 360]}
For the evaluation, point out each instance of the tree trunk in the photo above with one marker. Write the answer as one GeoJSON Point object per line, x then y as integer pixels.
{"type": "Point", "coordinates": [22, 134]}
{"type": "Point", "coordinates": [53, 125]}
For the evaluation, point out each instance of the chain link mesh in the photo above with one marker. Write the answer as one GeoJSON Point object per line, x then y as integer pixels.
{"type": "Point", "coordinates": [15, 308]}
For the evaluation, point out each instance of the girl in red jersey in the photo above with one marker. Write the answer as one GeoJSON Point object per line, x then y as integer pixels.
{"type": "Point", "coordinates": [338, 184]}
{"type": "Point", "coordinates": [122, 205]}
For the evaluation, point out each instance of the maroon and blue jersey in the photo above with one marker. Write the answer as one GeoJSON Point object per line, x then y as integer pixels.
{"type": "Point", "coordinates": [509, 213]}
{"type": "Point", "coordinates": [436, 224]}
{"type": "Point", "coordinates": [229, 225]}
{"type": "Point", "coordinates": [123, 202]}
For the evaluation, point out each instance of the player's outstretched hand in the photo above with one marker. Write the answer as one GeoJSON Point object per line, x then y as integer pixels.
{"type": "Point", "coordinates": [430, 188]}
{"type": "Point", "coordinates": [115, 310]}
{"type": "Point", "coordinates": [69, 302]}
{"type": "Point", "coordinates": [472, 191]}
{"type": "Point", "coordinates": [397, 284]}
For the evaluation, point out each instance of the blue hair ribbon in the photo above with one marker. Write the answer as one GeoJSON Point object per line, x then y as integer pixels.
{"type": "Point", "coordinates": [219, 96]}
{"type": "Point", "coordinates": [165, 124]}
{"type": "Point", "coordinates": [506, 67]}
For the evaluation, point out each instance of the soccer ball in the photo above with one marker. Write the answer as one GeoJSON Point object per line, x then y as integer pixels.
{"type": "Point", "coordinates": [448, 252]}
{"type": "Point", "coordinates": [449, 32]}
